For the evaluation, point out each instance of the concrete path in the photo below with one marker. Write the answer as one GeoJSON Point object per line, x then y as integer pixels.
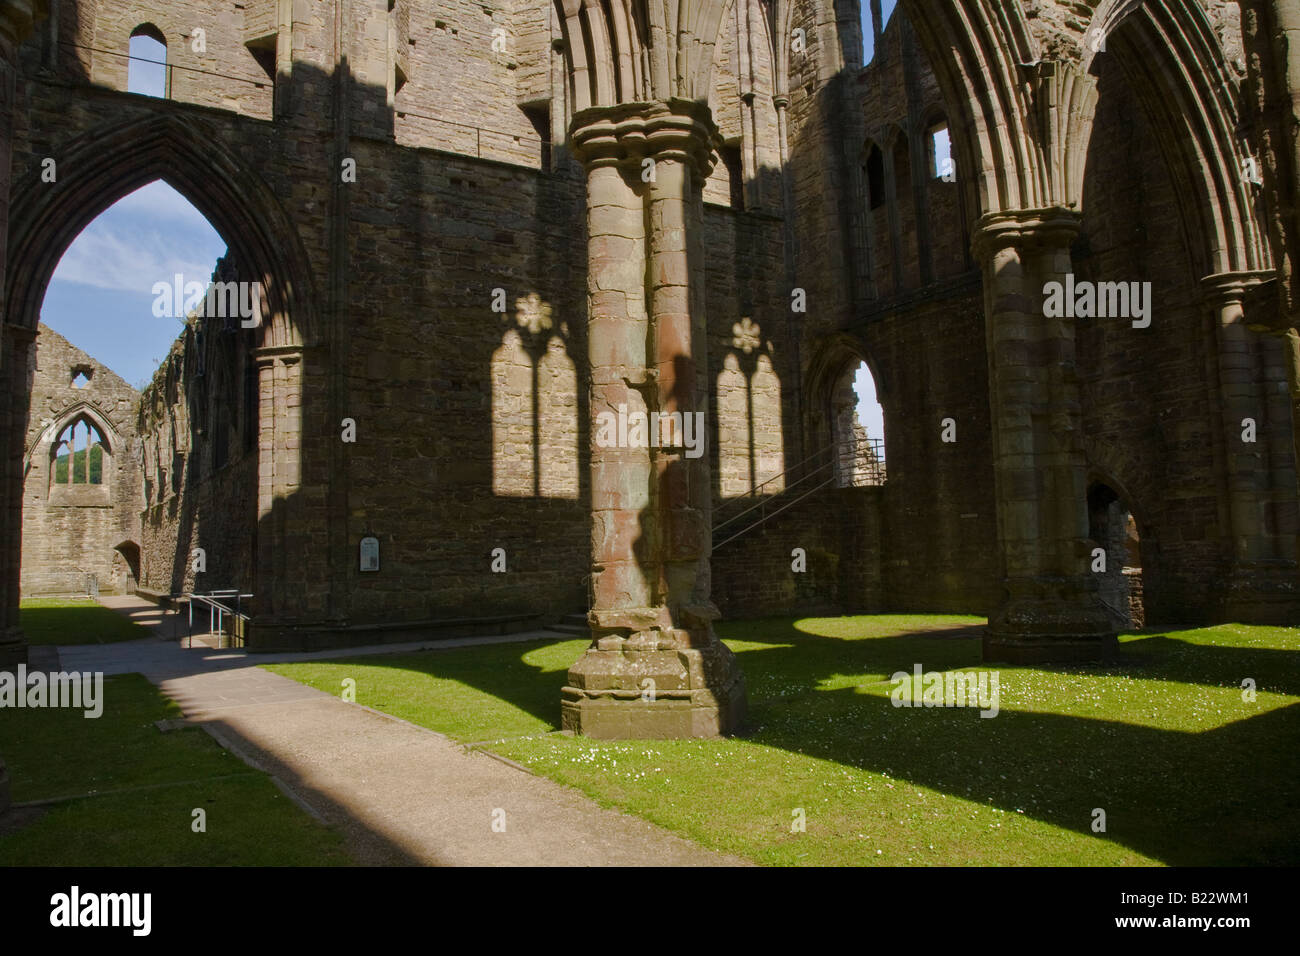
{"type": "Point", "coordinates": [401, 794]}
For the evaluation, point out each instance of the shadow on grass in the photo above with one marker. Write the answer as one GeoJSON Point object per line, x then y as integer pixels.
{"type": "Point", "coordinates": [115, 791]}
{"type": "Point", "coordinates": [1224, 794]}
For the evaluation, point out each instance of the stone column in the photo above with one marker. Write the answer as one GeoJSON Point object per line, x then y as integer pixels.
{"type": "Point", "coordinates": [1259, 583]}
{"type": "Point", "coordinates": [655, 667]}
{"type": "Point", "coordinates": [17, 18]}
{"type": "Point", "coordinates": [279, 414]}
{"type": "Point", "coordinates": [18, 347]}
{"type": "Point", "coordinates": [1050, 610]}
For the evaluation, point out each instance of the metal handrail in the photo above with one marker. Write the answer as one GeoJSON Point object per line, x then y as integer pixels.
{"type": "Point", "coordinates": [217, 610]}
{"type": "Point", "coordinates": [767, 517]}
{"type": "Point", "coordinates": [836, 457]}
{"type": "Point", "coordinates": [260, 84]}
{"type": "Point", "coordinates": [264, 84]}
{"type": "Point", "coordinates": [762, 501]}
{"type": "Point", "coordinates": [757, 489]}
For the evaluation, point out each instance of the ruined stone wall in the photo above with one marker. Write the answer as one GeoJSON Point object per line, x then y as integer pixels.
{"type": "Point", "coordinates": [74, 530]}
{"type": "Point", "coordinates": [840, 537]}
{"type": "Point", "coordinates": [212, 68]}
{"type": "Point", "coordinates": [471, 423]}
{"type": "Point", "coordinates": [197, 421]}
{"type": "Point", "coordinates": [917, 233]}
{"type": "Point", "coordinates": [1150, 407]}
{"type": "Point", "coordinates": [939, 510]}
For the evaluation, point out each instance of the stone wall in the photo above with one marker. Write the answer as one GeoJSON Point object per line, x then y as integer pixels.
{"type": "Point", "coordinates": [75, 530]}
{"type": "Point", "coordinates": [197, 422]}
{"type": "Point", "coordinates": [841, 540]}
{"type": "Point", "coordinates": [429, 384]}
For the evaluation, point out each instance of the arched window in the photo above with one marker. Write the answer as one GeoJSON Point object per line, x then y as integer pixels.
{"type": "Point", "coordinates": [146, 71]}
{"type": "Point", "coordinates": [941, 163]}
{"type": "Point", "coordinates": [79, 455]}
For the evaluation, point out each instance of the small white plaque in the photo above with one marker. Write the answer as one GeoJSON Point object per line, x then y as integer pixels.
{"type": "Point", "coordinates": [369, 554]}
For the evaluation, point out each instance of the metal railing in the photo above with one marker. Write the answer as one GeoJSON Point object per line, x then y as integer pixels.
{"type": "Point", "coordinates": [862, 465]}
{"type": "Point", "coordinates": [219, 605]}
{"type": "Point", "coordinates": [519, 139]}
{"type": "Point", "coordinates": [170, 67]}
{"type": "Point", "coordinates": [90, 583]}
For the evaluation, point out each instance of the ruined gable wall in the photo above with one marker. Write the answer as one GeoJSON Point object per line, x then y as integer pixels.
{"type": "Point", "coordinates": [70, 531]}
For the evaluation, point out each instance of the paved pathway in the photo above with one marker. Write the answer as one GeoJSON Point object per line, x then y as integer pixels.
{"type": "Point", "coordinates": [400, 793]}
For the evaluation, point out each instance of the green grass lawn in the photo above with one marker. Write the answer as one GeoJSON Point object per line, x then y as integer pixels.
{"type": "Point", "coordinates": [75, 621]}
{"type": "Point", "coordinates": [143, 787]}
{"type": "Point", "coordinates": [1187, 772]}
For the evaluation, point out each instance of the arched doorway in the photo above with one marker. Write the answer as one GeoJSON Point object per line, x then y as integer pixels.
{"type": "Point", "coordinates": [858, 426]}
{"type": "Point", "coordinates": [264, 251]}
{"type": "Point", "coordinates": [1117, 559]}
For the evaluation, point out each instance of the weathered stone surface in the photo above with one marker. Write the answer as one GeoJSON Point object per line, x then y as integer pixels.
{"type": "Point", "coordinates": [745, 278]}
{"type": "Point", "coordinates": [75, 532]}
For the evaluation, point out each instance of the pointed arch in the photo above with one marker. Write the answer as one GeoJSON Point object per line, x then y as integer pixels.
{"type": "Point", "coordinates": [629, 51]}
{"type": "Point", "coordinates": [1176, 66]}
{"type": "Point", "coordinates": [110, 162]}
{"type": "Point", "coordinates": [979, 50]}
{"type": "Point", "coordinates": [92, 413]}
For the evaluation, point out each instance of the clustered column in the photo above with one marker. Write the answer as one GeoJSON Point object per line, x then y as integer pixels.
{"type": "Point", "coordinates": [17, 17]}
{"type": "Point", "coordinates": [1050, 609]}
{"type": "Point", "coordinates": [655, 668]}
{"type": "Point", "coordinates": [1254, 400]}
{"type": "Point", "coordinates": [280, 558]}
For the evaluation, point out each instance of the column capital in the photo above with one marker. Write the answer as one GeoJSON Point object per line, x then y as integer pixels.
{"type": "Point", "coordinates": [270, 354]}
{"type": "Point", "coordinates": [1053, 227]}
{"type": "Point", "coordinates": [1227, 287]}
{"type": "Point", "coordinates": [630, 132]}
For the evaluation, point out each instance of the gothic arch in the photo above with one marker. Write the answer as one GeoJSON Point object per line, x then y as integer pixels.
{"type": "Point", "coordinates": [829, 359]}
{"type": "Point", "coordinates": [1021, 115]}
{"type": "Point", "coordinates": [1174, 62]}
{"type": "Point", "coordinates": [112, 437]}
{"type": "Point", "coordinates": [102, 166]}
{"type": "Point", "coordinates": [1108, 461]}
{"type": "Point", "coordinates": [979, 50]}
{"type": "Point", "coordinates": [629, 51]}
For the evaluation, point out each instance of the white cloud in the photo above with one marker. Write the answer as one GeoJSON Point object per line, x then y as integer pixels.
{"type": "Point", "coordinates": [144, 238]}
{"type": "Point", "coordinates": [158, 200]}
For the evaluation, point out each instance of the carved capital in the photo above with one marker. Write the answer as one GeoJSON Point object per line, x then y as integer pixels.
{"type": "Point", "coordinates": [626, 134]}
{"type": "Point", "coordinates": [1025, 229]}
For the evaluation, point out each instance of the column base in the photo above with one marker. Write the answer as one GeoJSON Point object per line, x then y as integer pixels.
{"type": "Point", "coordinates": [697, 692]}
{"type": "Point", "coordinates": [1050, 620]}
{"type": "Point", "coordinates": [1260, 592]}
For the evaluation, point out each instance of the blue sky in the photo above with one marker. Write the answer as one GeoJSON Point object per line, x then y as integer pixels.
{"type": "Point", "coordinates": [146, 71]}
{"type": "Point", "coordinates": [100, 298]}
{"type": "Point", "coordinates": [868, 36]}
{"type": "Point", "coordinates": [870, 413]}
